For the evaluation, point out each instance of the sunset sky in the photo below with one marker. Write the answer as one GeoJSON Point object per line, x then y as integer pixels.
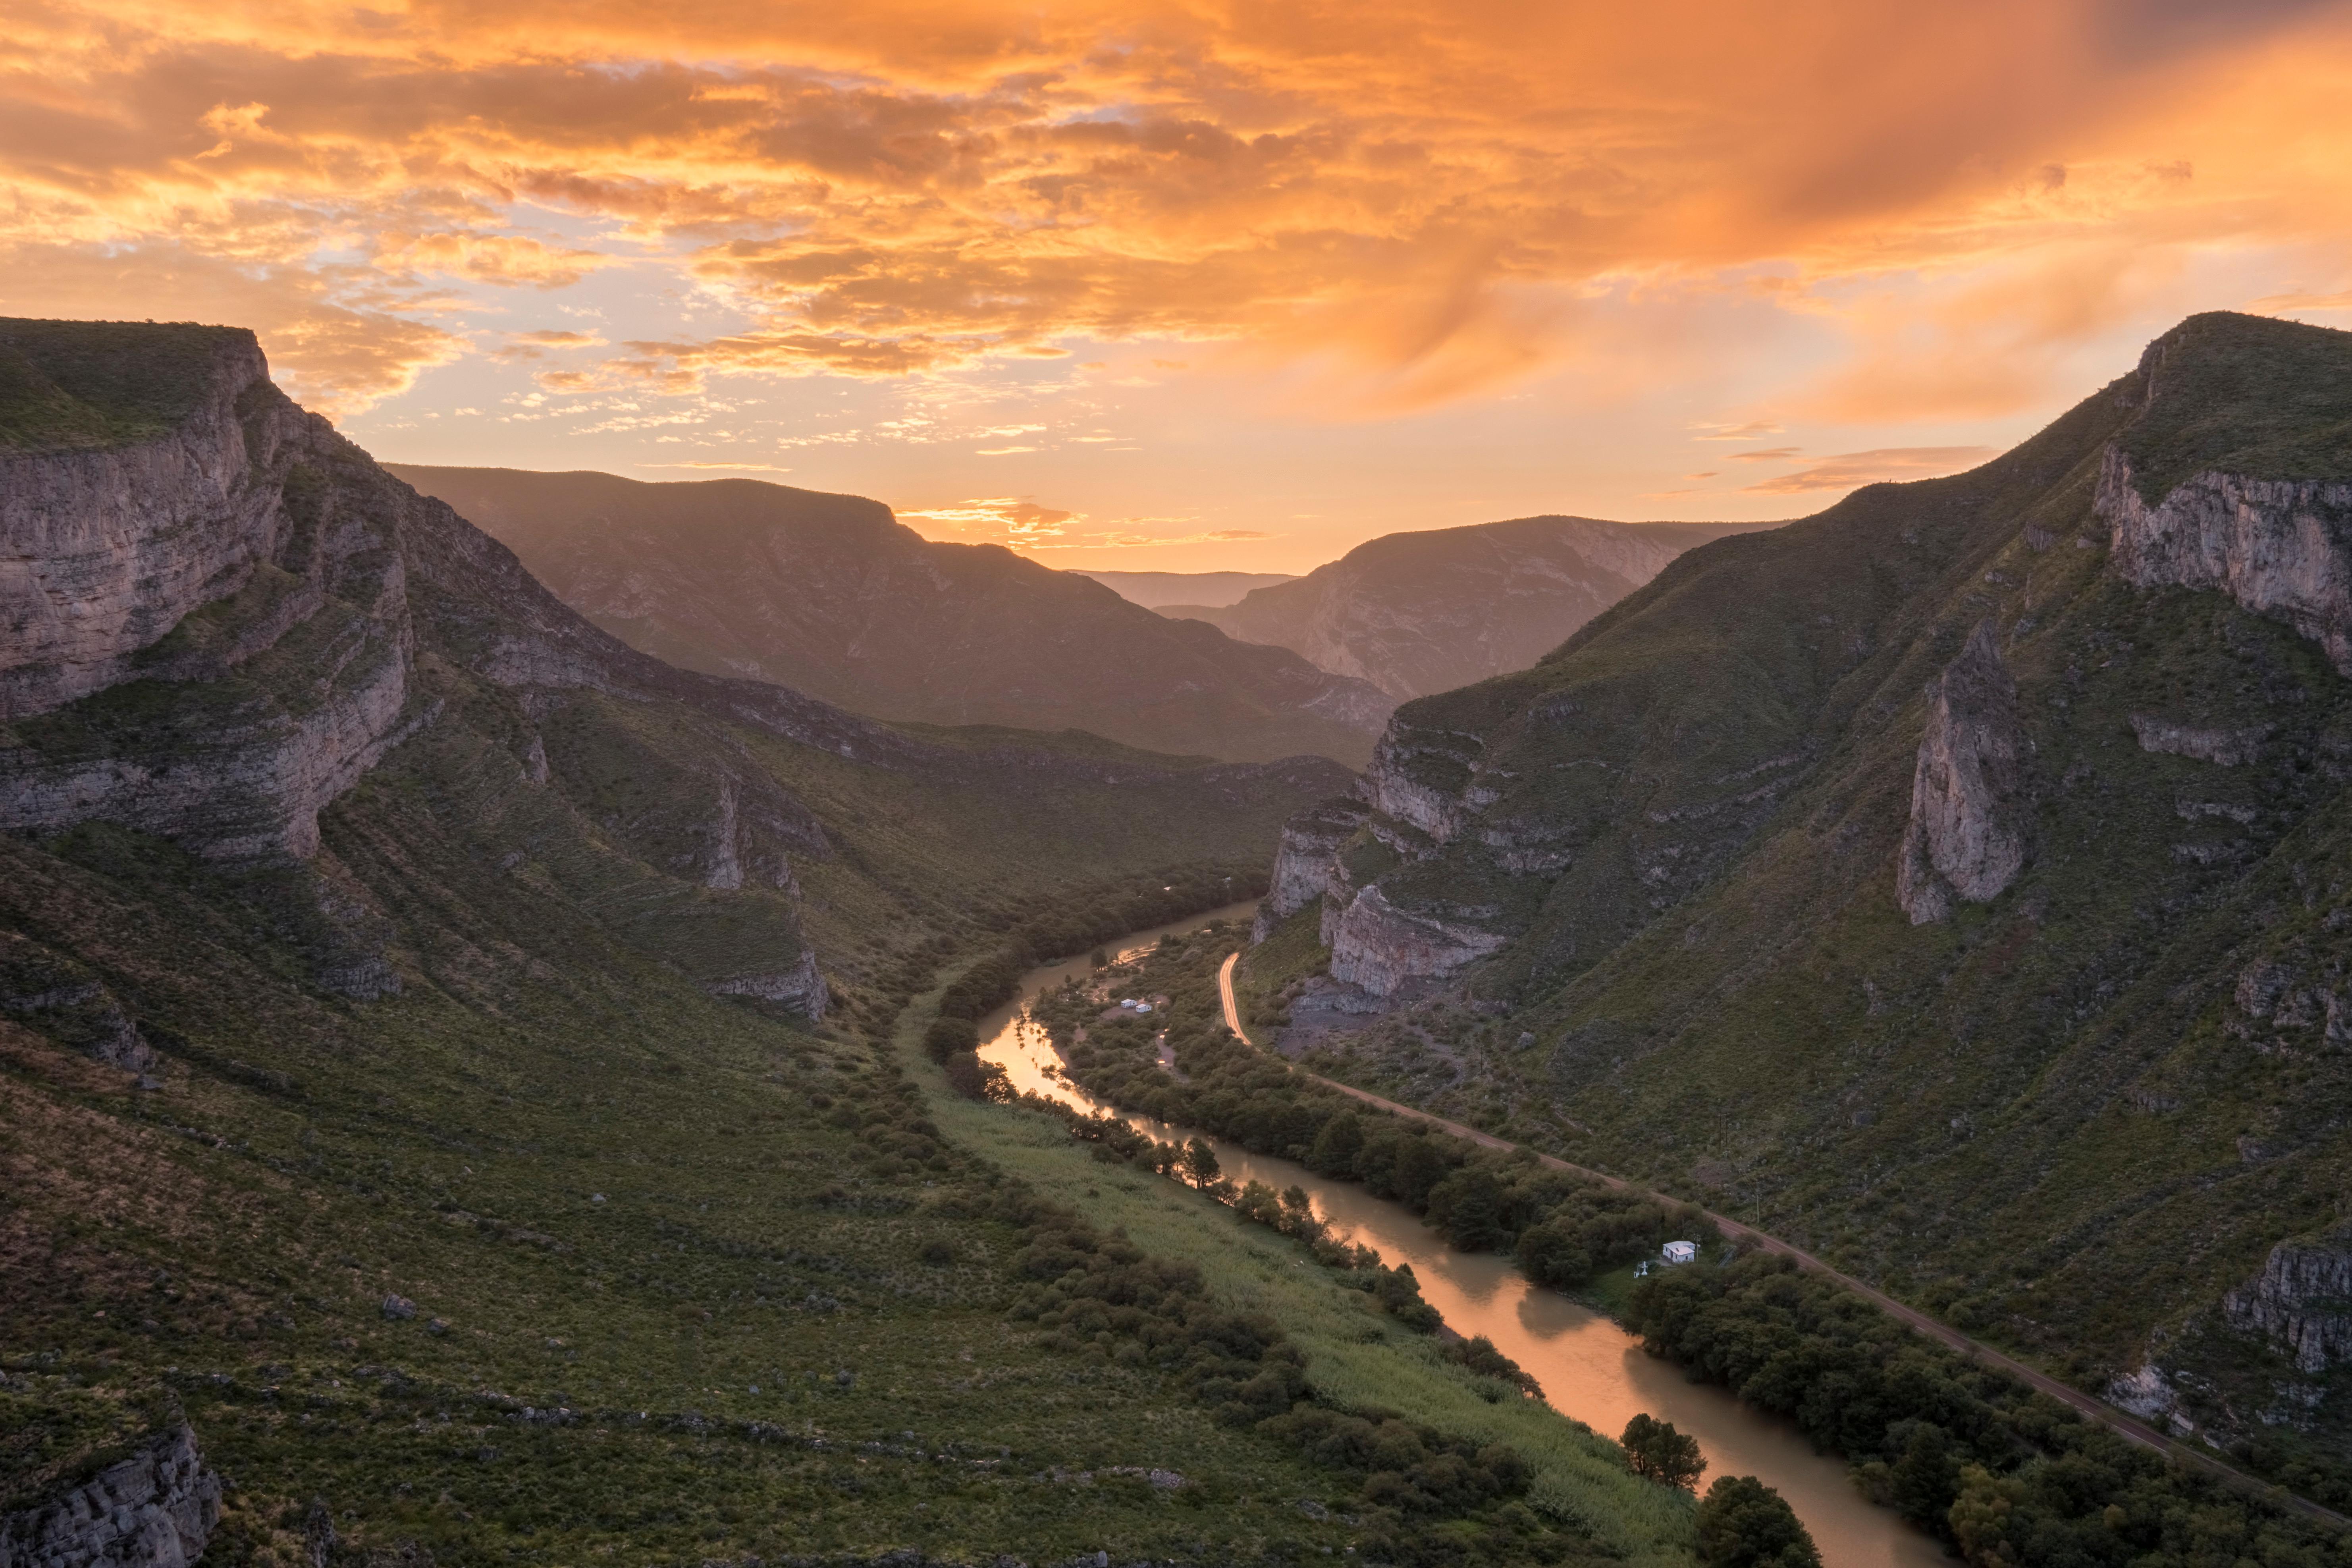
{"type": "Point", "coordinates": [1159, 286]}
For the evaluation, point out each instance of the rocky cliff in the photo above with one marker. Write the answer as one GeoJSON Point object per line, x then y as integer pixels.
{"type": "Point", "coordinates": [232, 558]}
{"type": "Point", "coordinates": [155, 1510]}
{"type": "Point", "coordinates": [1418, 613]}
{"type": "Point", "coordinates": [2279, 547]}
{"type": "Point", "coordinates": [2301, 1301]}
{"type": "Point", "coordinates": [1966, 838]}
{"type": "Point", "coordinates": [832, 596]}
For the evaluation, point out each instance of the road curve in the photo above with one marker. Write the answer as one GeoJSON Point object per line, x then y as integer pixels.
{"type": "Point", "coordinates": [2136, 1430]}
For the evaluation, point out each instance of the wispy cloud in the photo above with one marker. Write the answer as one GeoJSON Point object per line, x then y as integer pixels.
{"type": "Point", "coordinates": [1852, 469]}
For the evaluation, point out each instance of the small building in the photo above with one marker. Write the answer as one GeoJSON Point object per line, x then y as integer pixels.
{"type": "Point", "coordinates": [1680, 1252]}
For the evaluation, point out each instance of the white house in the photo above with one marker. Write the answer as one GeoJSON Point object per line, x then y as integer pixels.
{"type": "Point", "coordinates": [1680, 1252]}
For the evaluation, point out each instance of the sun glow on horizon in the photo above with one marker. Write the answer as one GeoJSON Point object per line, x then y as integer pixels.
{"type": "Point", "coordinates": [1173, 276]}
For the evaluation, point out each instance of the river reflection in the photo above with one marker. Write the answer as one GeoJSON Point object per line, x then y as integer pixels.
{"type": "Point", "coordinates": [1588, 1367]}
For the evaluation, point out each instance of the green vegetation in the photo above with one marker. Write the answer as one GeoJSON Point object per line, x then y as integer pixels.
{"type": "Point", "coordinates": [75, 385]}
{"type": "Point", "coordinates": [1655, 1450]}
{"type": "Point", "coordinates": [2071, 1120]}
{"type": "Point", "coordinates": [2006, 1475]}
{"type": "Point", "coordinates": [1743, 1524]}
{"type": "Point", "coordinates": [2012, 1478]}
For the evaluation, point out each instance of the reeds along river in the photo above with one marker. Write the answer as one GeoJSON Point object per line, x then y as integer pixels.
{"type": "Point", "coordinates": [1588, 1367]}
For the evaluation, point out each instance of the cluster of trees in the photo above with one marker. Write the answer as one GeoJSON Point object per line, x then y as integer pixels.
{"type": "Point", "coordinates": [1069, 926]}
{"type": "Point", "coordinates": [2009, 1478]}
{"type": "Point", "coordinates": [1562, 1228]}
{"type": "Point", "coordinates": [1396, 1290]}
{"type": "Point", "coordinates": [1426, 1497]}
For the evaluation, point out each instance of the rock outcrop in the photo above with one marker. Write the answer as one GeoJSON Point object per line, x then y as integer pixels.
{"type": "Point", "coordinates": [155, 1510]}
{"type": "Point", "coordinates": [799, 988]}
{"type": "Point", "coordinates": [1305, 864]}
{"type": "Point", "coordinates": [2301, 1301]}
{"type": "Point", "coordinates": [2228, 748]}
{"type": "Point", "coordinates": [105, 551]}
{"type": "Point", "coordinates": [240, 563]}
{"type": "Point", "coordinates": [59, 997]}
{"type": "Point", "coordinates": [1381, 947]}
{"type": "Point", "coordinates": [2279, 547]}
{"type": "Point", "coordinates": [1966, 833]}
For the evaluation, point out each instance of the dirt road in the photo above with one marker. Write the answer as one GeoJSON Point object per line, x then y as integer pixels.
{"type": "Point", "coordinates": [2137, 1431]}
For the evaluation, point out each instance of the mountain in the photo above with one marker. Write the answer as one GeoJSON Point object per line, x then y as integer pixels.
{"type": "Point", "coordinates": [832, 596]}
{"type": "Point", "coordinates": [1419, 613]}
{"type": "Point", "coordinates": [1953, 882]}
{"type": "Point", "coordinates": [460, 1088]}
{"type": "Point", "coordinates": [1154, 589]}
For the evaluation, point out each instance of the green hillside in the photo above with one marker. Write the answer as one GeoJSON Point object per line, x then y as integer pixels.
{"type": "Point", "coordinates": [2072, 1118]}
{"type": "Point", "coordinates": [535, 1163]}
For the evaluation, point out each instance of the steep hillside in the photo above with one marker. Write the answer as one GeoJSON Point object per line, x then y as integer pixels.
{"type": "Point", "coordinates": [451, 1090]}
{"type": "Point", "coordinates": [832, 596]}
{"type": "Point", "coordinates": [1153, 589]}
{"type": "Point", "coordinates": [1953, 882]}
{"type": "Point", "coordinates": [1419, 613]}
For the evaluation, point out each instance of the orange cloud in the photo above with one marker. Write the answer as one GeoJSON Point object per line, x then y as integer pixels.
{"type": "Point", "coordinates": [1852, 469]}
{"type": "Point", "coordinates": [1399, 203]}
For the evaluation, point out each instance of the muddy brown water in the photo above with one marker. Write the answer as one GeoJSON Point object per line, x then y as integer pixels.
{"type": "Point", "coordinates": [1588, 1367]}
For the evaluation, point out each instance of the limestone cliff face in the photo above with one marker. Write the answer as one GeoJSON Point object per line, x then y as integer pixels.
{"type": "Point", "coordinates": [2301, 1301]}
{"type": "Point", "coordinates": [2279, 547]}
{"type": "Point", "coordinates": [207, 633]}
{"type": "Point", "coordinates": [1966, 834]}
{"type": "Point", "coordinates": [1305, 864]}
{"type": "Point", "coordinates": [1381, 947]}
{"type": "Point", "coordinates": [155, 1510]}
{"type": "Point", "coordinates": [102, 552]}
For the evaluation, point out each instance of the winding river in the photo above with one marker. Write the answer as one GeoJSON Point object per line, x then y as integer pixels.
{"type": "Point", "coordinates": [1588, 1367]}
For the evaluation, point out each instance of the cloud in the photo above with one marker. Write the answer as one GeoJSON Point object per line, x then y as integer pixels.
{"type": "Point", "coordinates": [1420, 207]}
{"type": "Point", "coordinates": [1853, 469]}
{"type": "Point", "coordinates": [1004, 520]}
{"type": "Point", "coordinates": [1764, 455]}
{"type": "Point", "coordinates": [335, 358]}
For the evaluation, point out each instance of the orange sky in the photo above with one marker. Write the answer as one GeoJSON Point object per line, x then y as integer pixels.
{"type": "Point", "coordinates": [1171, 286]}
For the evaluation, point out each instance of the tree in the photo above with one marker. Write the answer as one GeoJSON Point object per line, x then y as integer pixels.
{"type": "Point", "coordinates": [946, 1037]}
{"type": "Point", "coordinates": [1200, 1161]}
{"type": "Point", "coordinates": [1654, 1449]}
{"type": "Point", "coordinates": [1743, 1524]}
{"type": "Point", "coordinates": [1334, 1153]}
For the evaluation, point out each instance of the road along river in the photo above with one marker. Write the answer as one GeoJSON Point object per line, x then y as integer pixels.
{"type": "Point", "coordinates": [1588, 1367]}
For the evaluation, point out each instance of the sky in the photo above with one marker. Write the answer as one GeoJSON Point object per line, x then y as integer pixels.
{"type": "Point", "coordinates": [1157, 286]}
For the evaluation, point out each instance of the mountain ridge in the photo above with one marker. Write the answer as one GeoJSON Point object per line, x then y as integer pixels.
{"type": "Point", "coordinates": [831, 595]}
{"type": "Point", "coordinates": [1428, 610]}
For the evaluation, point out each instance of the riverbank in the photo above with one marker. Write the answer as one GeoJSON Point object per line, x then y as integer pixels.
{"type": "Point", "coordinates": [1733, 1232]}
{"type": "Point", "coordinates": [1592, 1372]}
{"type": "Point", "coordinates": [1355, 1355]}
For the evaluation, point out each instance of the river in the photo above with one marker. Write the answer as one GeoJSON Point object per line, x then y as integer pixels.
{"type": "Point", "coordinates": [1588, 1367]}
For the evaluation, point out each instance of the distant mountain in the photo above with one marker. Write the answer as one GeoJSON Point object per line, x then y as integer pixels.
{"type": "Point", "coordinates": [831, 595]}
{"type": "Point", "coordinates": [1153, 589]}
{"type": "Point", "coordinates": [1418, 613]}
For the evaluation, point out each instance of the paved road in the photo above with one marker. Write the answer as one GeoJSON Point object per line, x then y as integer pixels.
{"type": "Point", "coordinates": [2136, 1430]}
